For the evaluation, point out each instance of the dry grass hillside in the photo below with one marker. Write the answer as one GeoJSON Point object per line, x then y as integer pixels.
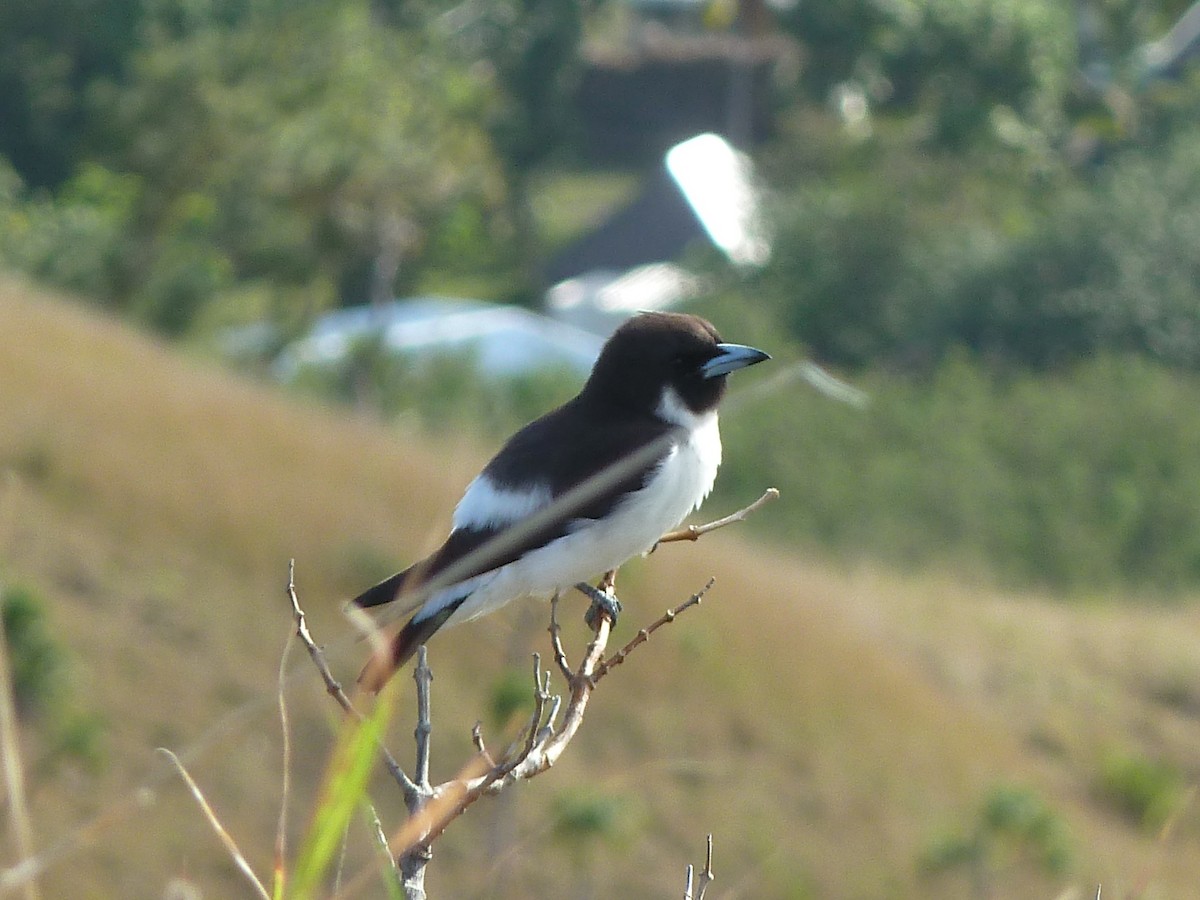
{"type": "Point", "coordinates": [832, 728]}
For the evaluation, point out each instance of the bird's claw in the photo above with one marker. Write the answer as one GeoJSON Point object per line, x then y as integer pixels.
{"type": "Point", "coordinates": [603, 604]}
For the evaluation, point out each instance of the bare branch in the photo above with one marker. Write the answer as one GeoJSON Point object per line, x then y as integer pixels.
{"type": "Point", "coordinates": [582, 683]}
{"type": "Point", "coordinates": [332, 685]}
{"type": "Point", "coordinates": [415, 857]}
{"type": "Point", "coordinates": [706, 876]}
{"type": "Point", "coordinates": [539, 749]}
{"type": "Point", "coordinates": [543, 740]}
{"type": "Point", "coordinates": [560, 655]}
{"type": "Point", "coordinates": [541, 693]}
{"type": "Point", "coordinates": [432, 809]}
{"type": "Point", "coordinates": [644, 634]}
{"type": "Point", "coordinates": [538, 746]}
{"type": "Point", "coordinates": [694, 887]}
{"type": "Point", "coordinates": [230, 846]}
{"type": "Point", "coordinates": [423, 676]}
{"type": "Point", "coordinates": [334, 688]}
{"type": "Point", "coordinates": [477, 740]}
{"type": "Point", "coordinates": [695, 532]}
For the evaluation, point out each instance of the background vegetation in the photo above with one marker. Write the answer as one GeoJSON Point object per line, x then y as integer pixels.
{"type": "Point", "coordinates": [844, 730]}
{"type": "Point", "coordinates": [985, 216]}
{"type": "Point", "coordinates": [986, 212]}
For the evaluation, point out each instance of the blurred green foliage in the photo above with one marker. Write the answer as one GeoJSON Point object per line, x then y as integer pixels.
{"type": "Point", "coordinates": [35, 660]}
{"type": "Point", "coordinates": [337, 152]}
{"type": "Point", "coordinates": [38, 667]}
{"type": "Point", "coordinates": [511, 695]}
{"type": "Point", "coordinates": [1081, 479]}
{"type": "Point", "coordinates": [898, 269]}
{"type": "Point", "coordinates": [1013, 823]}
{"type": "Point", "coordinates": [1147, 791]}
{"type": "Point", "coordinates": [1000, 249]}
{"type": "Point", "coordinates": [586, 814]}
{"type": "Point", "coordinates": [949, 62]}
{"type": "Point", "coordinates": [334, 150]}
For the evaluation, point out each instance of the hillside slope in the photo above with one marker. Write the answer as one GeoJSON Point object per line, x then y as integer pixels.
{"type": "Point", "coordinates": [830, 728]}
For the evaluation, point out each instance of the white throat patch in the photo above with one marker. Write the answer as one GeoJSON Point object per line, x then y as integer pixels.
{"type": "Point", "coordinates": [671, 408]}
{"type": "Point", "coordinates": [693, 465]}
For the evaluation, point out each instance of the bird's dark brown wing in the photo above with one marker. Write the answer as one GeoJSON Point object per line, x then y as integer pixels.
{"type": "Point", "coordinates": [474, 550]}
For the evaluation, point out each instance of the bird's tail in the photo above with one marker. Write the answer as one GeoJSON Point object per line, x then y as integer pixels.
{"type": "Point", "coordinates": [387, 590]}
{"type": "Point", "coordinates": [392, 653]}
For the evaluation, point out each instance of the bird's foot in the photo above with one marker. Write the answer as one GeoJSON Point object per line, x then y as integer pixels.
{"type": "Point", "coordinates": [604, 603]}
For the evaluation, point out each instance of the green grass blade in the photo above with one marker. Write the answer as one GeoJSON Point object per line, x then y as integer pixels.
{"type": "Point", "coordinates": [345, 787]}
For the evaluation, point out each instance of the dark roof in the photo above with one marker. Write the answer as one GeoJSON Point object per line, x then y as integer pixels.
{"type": "Point", "coordinates": [656, 226]}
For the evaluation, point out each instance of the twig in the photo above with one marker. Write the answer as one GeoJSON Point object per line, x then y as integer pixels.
{"type": "Point", "coordinates": [555, 629]}
{"type": "Point", "coordinates": [230, 846]}
{"type": "Point", "coordinates": [407, 787]}
{"type": "Point", "coordinates": [694, 887]}
{"type": "Point", "coordinates": [541, 693]}
{"type": "Point", "coordinates": [695, 532]}
{"type": "Point", "coordinates": [477, 740]}
{"type": "Point", "coordinates": [332, 685]}
{"type": "Point", "coordinates": [381, 840]}
{"type": "Point", "coordinates": [539, 749]}
{"type": "Point", "coordinates": [423, 676]}
{"type": "Point", "coordinates": [541, 753]}
{"type": "Point", "coordinates": [543, 743]}
{"type": "Point", "coordinates": [280, 885]}
{"type": "Point", "coordinates": [644, 634]}
{"type": "Point", "coordinates": [415, 857]}
{"type": "Point", "coordinates": [706, 876]}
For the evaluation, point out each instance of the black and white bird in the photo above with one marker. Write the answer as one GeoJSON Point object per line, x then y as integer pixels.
{"type": "Point", "coordinates": [579, 491]}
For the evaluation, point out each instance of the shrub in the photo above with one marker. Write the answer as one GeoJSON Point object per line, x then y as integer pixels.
{"type": "Point", "coordinates": [35, 660]}
{"type": "Point", "coordinates": [1145, 790]}
{"type": "Point", "coordinates": [1012, 821]}
{"type": "Point", "coordinates": [38, 667]}
{"type": "Point", "coordinates": [876, 267]}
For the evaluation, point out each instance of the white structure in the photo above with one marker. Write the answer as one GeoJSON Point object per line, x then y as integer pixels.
{"type": "Point", "coordinates": [500, 340]}
{"type": "Point", "coordinates": [705, 191]}
{"type": "Point", "coordinates": [717, 181]}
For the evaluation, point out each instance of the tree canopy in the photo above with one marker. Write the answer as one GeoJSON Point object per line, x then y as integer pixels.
{"type": "Point", "coordinates": [997, 175]}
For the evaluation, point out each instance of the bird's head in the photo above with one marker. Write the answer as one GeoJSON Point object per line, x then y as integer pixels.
{"type": "Point", "coordinates": [673, 358]}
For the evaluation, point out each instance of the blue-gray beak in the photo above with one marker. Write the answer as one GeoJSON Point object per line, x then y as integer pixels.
{"type": "Point", "coordinates": [730, 358]}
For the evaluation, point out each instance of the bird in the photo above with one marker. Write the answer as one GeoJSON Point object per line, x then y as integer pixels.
{"type": "Point", "coordinates": [579, 491]}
